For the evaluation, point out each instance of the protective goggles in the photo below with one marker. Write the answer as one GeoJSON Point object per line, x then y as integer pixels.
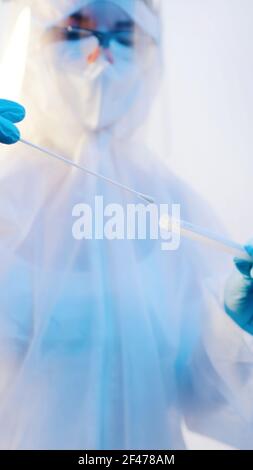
{"type": "Point", "coordinates": [126, 38]}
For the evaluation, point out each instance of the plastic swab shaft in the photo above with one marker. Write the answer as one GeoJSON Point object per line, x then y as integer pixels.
{"type": "Point", "coordinates": [142, 196]}
{"type": "Point", "coordinates": [200, 234]}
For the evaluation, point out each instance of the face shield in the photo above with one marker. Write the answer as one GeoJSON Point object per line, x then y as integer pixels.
{"type": "Point", "coordinates": [95, 62]}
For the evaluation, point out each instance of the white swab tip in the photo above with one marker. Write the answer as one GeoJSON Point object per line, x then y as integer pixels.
{"type": "Point", "coordinates": [165, 222]}
{"type": "Point", "coordinates": [149, 199]}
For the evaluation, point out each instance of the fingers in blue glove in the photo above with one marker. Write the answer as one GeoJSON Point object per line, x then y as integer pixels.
{"type": "Point", "coordinates": [11, 111]}
{"type": "Point", "coordinates": [246, 267]}
{"type": "Point", "coordinates": [249, 248]}
{"type": "Point", "coordinates": [9, 134]}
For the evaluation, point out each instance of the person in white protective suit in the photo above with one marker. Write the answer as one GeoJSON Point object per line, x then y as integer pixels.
{"type": "Point", "coordinates": [106, 344]}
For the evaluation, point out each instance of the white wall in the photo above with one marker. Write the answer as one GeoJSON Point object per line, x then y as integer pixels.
{"type": "Point", "coordinates": [210, 103]}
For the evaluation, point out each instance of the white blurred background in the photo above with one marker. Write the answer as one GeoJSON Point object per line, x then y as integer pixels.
{"type": "Point", "coordinates": [209, 103]}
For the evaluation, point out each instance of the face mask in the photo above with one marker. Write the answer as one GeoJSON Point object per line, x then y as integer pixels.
{"type": "Point", "coordinates": [100, 93]}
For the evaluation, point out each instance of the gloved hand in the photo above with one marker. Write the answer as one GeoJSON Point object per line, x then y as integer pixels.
{"type": "Point", "coordinates": [10, 112]}
{"type": "Point", "coordinates": [239, 292]}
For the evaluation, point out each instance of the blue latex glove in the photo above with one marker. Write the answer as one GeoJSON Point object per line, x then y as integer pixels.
{"type": "Point", "coordinates": [239, 292]}
{"type": "Point", "coordinates": [10, 112]}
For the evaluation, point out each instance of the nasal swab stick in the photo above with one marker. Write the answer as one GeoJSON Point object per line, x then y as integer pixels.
{"type": "Point", "coordinates": [186, 229]}
{"type": "Point", "coordinates": [142, 196]}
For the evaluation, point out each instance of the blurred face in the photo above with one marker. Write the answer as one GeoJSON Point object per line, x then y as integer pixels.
{"type": "Point", "coordinates": [99, 56]}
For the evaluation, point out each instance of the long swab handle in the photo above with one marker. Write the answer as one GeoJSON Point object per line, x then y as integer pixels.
{"type": "Point", "coordinates": [186, 228]}
{"type": "Point", "coordinates": [200, 234]}
{"type": "Point", "coordinates": [142, 196]}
